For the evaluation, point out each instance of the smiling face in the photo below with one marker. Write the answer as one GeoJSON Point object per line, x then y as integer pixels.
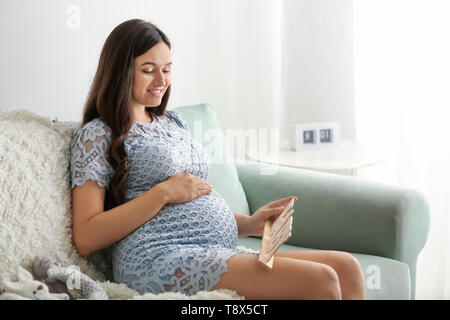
{"type": "Point", "coordinates": [151, 78]}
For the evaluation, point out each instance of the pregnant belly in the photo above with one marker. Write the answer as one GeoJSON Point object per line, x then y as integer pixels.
{"type": "Point", "coordinates": [204, 221]}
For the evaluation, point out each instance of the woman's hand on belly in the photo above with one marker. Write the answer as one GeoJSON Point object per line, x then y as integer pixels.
{"type": "Point", "coordinates": [184, 187]}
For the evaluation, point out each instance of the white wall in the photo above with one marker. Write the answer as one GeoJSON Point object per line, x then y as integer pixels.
{"type": "Point", "coordinates": [318, 63]}
{"type": "Point", "coordinates": [223, 54]}
{"type": "Point", "coordinates": [227, 53]}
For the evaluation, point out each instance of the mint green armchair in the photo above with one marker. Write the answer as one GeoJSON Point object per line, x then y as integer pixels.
{"type": "Point", "coordinates": [383, 226]}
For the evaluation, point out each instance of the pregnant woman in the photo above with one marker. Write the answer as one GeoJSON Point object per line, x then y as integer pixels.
{"type": "Point", "coordinates": [139, 184]}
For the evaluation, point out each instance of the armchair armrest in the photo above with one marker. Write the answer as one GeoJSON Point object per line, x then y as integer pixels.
{"type": "Point", "coordinates": [343, 213]}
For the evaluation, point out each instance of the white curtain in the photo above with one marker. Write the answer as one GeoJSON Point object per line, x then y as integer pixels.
{"type": "Point", "coordinates": [402, 86]}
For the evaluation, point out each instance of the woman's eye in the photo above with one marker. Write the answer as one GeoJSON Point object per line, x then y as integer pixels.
{"type": "Point", "coordinates": [151, 71]}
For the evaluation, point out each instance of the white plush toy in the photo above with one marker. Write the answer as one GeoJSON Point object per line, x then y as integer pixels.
{"type": "Point", "coordinates": [28, 289]}
{"type": "Point", "coordinates": [67, 279]}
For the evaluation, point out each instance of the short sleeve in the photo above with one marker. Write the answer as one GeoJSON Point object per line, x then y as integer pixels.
{"type": "Point", "coordinates": [88, 159]}
{"type": "Point", "coordinates": [178, 119]}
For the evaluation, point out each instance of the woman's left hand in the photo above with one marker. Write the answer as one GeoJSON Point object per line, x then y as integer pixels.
{"type": "Point", "coordinates": [270, 211]}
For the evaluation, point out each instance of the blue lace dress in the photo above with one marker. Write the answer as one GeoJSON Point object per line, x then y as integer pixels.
{"type": "Point", "coordinates": [184, 247]}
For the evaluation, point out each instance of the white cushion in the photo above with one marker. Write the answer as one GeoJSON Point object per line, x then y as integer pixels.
{"type": "Point", "coordinates": [35, 196]}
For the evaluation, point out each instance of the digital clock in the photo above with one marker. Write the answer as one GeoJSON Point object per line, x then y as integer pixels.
{"type": "Point", "coordinates": [305, 136]}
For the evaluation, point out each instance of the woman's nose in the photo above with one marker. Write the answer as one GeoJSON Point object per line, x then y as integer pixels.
{"type": "Point", "coordinates": [159, 79]}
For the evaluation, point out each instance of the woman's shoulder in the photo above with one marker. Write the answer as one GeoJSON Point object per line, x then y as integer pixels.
{"type": "Point", "coordinates": [177, 118]}
{"type": "Point", "coordinates": [174, 113]}
{"type": "Point", "coordinates": [95, 130]}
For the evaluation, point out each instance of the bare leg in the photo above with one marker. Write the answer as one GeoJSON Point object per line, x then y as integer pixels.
{"type": "Point", "coordinates": [290, 279]}
{"type": "Point", "coordinates": [347, 267]}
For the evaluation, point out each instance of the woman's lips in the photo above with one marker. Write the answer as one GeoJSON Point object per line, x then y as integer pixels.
{"type": "Point", "coordinates": [156, 93]}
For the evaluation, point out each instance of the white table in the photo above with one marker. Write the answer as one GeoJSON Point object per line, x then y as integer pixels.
{"type": "Point", "coordinates": [345, 158]}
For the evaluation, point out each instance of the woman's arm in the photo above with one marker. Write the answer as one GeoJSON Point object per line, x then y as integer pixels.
{"type": "Point", "coordinates": [94, 231]}
{"type": "Point", "coordinates": [242, 224]}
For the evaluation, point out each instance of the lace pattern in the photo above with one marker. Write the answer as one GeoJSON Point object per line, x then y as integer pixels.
{"type": "Point", "coordinates": [202, 273]}
{"type": "Point", "coordinates": [88, 155]}
{"type": "Point", "coordinates": [186, 270]}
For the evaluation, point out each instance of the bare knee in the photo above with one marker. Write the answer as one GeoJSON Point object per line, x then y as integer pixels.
{"type": "Point", "coordinates": [348, 267]}
{"type": "Point", "coordinates": [327, 284]}
{"type": "Point", "coordinates": [351, 276]}
{"type": "Point", "coordinates": [349, 262]}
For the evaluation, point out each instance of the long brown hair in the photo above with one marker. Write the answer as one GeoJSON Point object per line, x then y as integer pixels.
{"type": "Point", "coordinates": [110, 95]}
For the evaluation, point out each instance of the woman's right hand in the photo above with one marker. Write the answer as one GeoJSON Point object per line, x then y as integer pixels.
{"type": "Point", "coordinates": [184, 187]}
